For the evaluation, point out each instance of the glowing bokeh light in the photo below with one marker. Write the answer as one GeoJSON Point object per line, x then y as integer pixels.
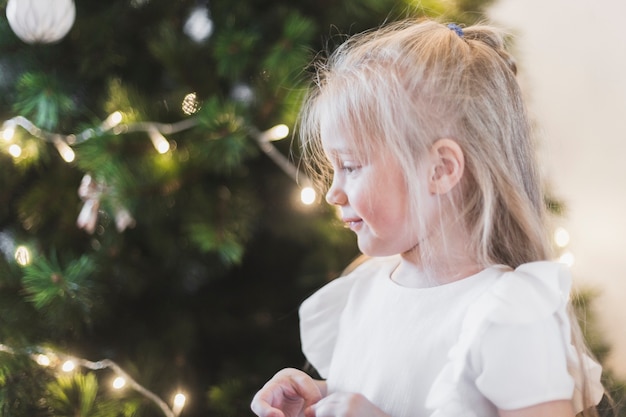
{"type": "Point", "coordinates": [8, 133]}
{"type": "Point", "coordinates": [308, 195]}
{"type": "Point", "coordinates": [567, 258]}
{"type": "Point", "coordinates": [199, 25]}
{"type": "Point", "coordinates": [179, 403]}
{"type": "Point", "coordinates": [119, 382]}
{"type": "Point", "coordinates": [43, 360]}
{"type": "Point", "coordinates": [68, 366]}
{"type": "Point", "coordinates": [113, 120]}
{"type": "Point", "coordinates": [277, 132]}
{"type": "Point", "coordinates": [65, 151]}
{"type": "Point", "coordinates": [22, 255]}
{"type": "Point", "coordinates": [190, 104]}
{"type": "Point", "coordinates": [15, 151]}
{"type": "Point", "coordinates": [561, 237]}
{"type": "Point", "coordinates": [158, 141]}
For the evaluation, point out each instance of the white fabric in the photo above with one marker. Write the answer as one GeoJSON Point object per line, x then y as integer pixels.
{"type": "Point", "coordinates": [497, 339]}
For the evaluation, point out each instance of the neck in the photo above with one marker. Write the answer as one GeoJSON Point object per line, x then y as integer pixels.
{"type": "Point", "coordinates": [438, 268]}
{"type": "Point", "coordinates": [415, 275]}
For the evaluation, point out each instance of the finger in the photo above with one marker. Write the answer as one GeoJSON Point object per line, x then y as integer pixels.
{"type": "Point", "coordinates": [264, 410]}
{"type": "Point", "coordinates": [306, 388]}
{"type": "Point", "coordinates": [310, 411]}
{"type": "Point", "coordinates": [321, 408]}
{"type": "Point", "coordinates": [261, 405]}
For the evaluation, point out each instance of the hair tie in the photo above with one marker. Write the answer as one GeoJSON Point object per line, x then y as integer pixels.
{"type": "Point", "coordinates": [456, 28]}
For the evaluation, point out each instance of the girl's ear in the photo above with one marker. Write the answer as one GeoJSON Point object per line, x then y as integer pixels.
{"type": "Point", "coordinates": [447, 166]}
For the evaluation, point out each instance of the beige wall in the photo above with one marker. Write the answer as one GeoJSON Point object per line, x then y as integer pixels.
{"type": "Point", "coordinates": [572, 55]}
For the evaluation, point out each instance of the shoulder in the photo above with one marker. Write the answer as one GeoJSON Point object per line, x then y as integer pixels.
{"type": "Point", "coordinates": [534, 295]}
{"type": "Point", "coordinates": [320, 314]}
{"type": "Point", "coordinates": [517, 330]}
{"type": "Point", "coordinates": [335, 293]}
{"type": "Point", "coordinates": [525, 334]}
{"type": "Point", "coordinates": [531, 292]}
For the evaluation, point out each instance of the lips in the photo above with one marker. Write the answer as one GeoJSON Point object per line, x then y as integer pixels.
{"type": "Point", "coordinates": [352, 224]}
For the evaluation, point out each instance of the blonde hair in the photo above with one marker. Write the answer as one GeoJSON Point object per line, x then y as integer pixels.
{"type": "Point", "coordinates": [410, 83]}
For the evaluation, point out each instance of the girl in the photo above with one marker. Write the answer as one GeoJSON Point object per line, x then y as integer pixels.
{"type": "Point", "coordinates": [457, 312]}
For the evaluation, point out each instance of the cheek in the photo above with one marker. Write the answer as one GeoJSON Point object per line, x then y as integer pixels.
{"type": "Point", "coordinates": [361, 198]}
{"type": "Point", "coordinates": [382, 201]}
{"type": "Point", "coordinates": [395, 204]}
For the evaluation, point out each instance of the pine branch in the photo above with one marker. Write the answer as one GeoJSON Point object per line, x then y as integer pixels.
{"type": "Point", "coordinates": [45, 356]}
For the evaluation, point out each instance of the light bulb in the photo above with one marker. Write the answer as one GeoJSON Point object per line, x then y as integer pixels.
{"type": "Point", "coordinates": [43, 360]}
{"type": "Point", "coordinates": [119, 382]}
{"type": "Point", "coordinates": [190, 104]}
{"type": "Point", "coordinates": [8, 132]}
{"type": "Point", "coordinates": [113, 120]}
{"type": "Point", "coordinates": [277, 132]}
{"type": "Point", "coordinates": [15, 151]}
{"type": "Point", "coordinates": [158, 141]}
{"type": "Point", "coordinates": [567, 258]}
{"type": "Point", "coordinates": [308, 195]}
{"type": "Point", "coordinates": [561, 237]}
{"type": "Point", "coordinates": [64, 149]}
{"type": "Point", "coordinates": [179, 403]}
{"type": "Point", "coordinates": [22, 255]}
{"type": "Point", "coordinates": [68, 366]}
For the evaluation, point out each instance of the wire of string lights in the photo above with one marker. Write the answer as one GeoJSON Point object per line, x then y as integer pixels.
{"type": "Point", "coordinates": [155, 131]}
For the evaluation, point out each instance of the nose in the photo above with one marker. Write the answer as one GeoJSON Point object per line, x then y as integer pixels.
{"type": "Point", "coordinates": [335, 195]}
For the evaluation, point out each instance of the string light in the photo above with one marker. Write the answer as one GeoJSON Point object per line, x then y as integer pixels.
{"type": "Point", "coordinates": [64, 149]}
{"type": "Point", "coordinates": [179, 403]}
{"type": "Point", "coordinates": [111, 124]}
{"type": "Point", "coordinates": [119, 383]}
{"type": "Point", "coordinates": [264, 140]}
{"type": "Point", "coordinates": [561, 240]}
{"type": "Point", "coordinates": [158, 140]}
{"type": "Point", "coordinates": [43, 360]}
{"type": "Point", "coordinates": [155, 131]}
{"type": "Point", "coordinates": [561, 237]}
{"type": "Point", "coordinates": [277, 132]}
{"type": "Point", "coordinates": [15, 151]}
{"type": "Point", "coordinates": [122, 378]}
{"type": "Point", "coordinates": [22, 255]}
{"type": "Point", "coordinates": [567, 258]}
{"type": "Point", "coordinates": [190, 104]}
{"type": "Point", "coordinates": [308, 195]}
{"type": "Point", "coordinates": [68, 366]}
{"type": "Point", "coordinates": [112, 120]}
{"type": "Point", "coordinates": [8, 132]}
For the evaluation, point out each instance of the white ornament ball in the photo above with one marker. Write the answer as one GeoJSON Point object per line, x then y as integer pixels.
{"type": "Point", "coordinates": [199, 25]}
{"type": "Point", "coordinates": [41, 21]}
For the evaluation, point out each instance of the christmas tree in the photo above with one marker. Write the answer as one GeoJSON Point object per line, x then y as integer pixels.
{"type": "Point", "coordinates": [152, 234]}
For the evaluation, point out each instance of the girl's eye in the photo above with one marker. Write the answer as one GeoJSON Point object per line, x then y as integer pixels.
{"type": "Point", "coordinates": [349, 168]}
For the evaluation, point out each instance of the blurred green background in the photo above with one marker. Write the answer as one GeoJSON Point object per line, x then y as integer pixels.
{"type": "Point", "coordinates": [196, 259]}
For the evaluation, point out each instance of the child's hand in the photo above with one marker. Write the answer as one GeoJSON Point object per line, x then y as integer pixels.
{"type": "Point", "coordinates": [344, 404]}
{"type": "Point", "coordinates": [287, 394]}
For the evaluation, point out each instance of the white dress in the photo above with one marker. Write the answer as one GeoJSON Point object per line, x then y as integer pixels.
{"type": "Point", "coordinates": [497, 339]}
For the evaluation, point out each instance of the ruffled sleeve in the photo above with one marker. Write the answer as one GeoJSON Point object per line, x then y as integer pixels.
{"type": "Point", "coordinates": [320, 314]}
{"type": "Point", "coordinates": [319, 322]}
{"type": "Point", "coordinates": [515, 338]}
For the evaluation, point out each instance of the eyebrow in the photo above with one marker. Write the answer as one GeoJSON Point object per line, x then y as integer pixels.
{"type": "Point", "coordinates": [339, 154]}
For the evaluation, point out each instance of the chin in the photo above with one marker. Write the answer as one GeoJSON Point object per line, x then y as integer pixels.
{"type": "Point", "coordinates": [377, 252]}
